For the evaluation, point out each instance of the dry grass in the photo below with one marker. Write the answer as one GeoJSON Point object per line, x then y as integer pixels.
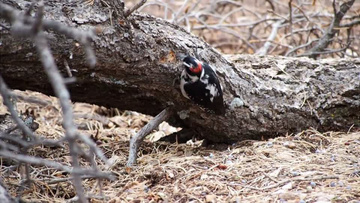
{"type": "Point", "coordinates": [307, 167]}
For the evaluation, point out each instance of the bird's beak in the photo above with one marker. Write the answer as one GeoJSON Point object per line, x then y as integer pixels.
{"type": "Point", "coordinates": [180, 56]}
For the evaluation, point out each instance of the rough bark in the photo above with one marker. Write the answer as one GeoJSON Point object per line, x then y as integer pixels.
{"type": "Point", "coordinates": [137, 65]}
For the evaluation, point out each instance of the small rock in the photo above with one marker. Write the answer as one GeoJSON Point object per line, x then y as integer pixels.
{"type": "Point", "coordinates": [288, 196]}
{"type": "Point", "coordinates": [162, 195]}
{"type": "Point", "coordinates": [210, 198]}
{"type": "Point", "coordinates": [270, 144]}
{"type": "Point", "coordinates": [295, 173]}
{"type": "Point", "coordinates": [170, 174]}
{"type": "Point", "coordinates": [236, 102]}
{"type": "Point", "coordinates": [289, 145]}
{"type": "Point", "coordinates": [183, 114]}
{"type": "Point", "coordinates": [111, 124]}
{"type": "Point", "coordinates": [282, 200]}
{"type": "Point", "coordinates": [204, 177]}
{"type": "Point", "coordinates": [288, 186]}
{"type": "Point", "coordinates": [222, 167]}
{"type": "Point", "coordinates": [229, 162]}
{"type": "Point", "coordinates": [333, 158]}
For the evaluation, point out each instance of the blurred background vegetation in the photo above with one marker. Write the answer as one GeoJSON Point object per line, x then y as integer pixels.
{"type": "Point", "coordinates": [266, 27]}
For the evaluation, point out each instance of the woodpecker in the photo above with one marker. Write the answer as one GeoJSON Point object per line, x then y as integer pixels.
{"type": "Point", "coordinates": [200, 84]}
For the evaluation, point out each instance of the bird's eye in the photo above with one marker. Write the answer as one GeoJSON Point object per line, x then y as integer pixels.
{"type": "Point", "coordinates": [187, 65]}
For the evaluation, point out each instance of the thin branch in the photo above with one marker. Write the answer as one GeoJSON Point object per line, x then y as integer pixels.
{"type": "Point", "coordinates": [67, 67]}
{"type": "Point", "coordinates": [179, 11]}
{"type": "Point", "coordinates": [54, 165]}
{"type": "Point", "coordinates": [331, 31]}
{"type": "Point", "coordinates": [5, 93]}
{"type": "Point", "coordinates": [62, 93]}
{"type": "Point", "coordinates": [303, 12]}
{"type": "Point", "coordinates": [135, 141]}
{"type": "Point", "coordinates": [263, 50]}
{"type": "Point", "coordinates": [300, 47]}
{"type": "Point", "coordinates": [327, 51]}
{"type": "Point", "coordinates": [233, 33]}
{"type": "Point", "coordinates": [290, 180]}
{"type": "Point", "coordinates": [94, 116]}
{"type": "Point", "coordinates": [94, 148]}
{"type": "Point", "coordinates": [291, 20]}
{"type": "Point", "coordinates": [348, 25]}
{"type": "Point", "coordinates": [160, 4]}
{"type": "Point", "coordinates": [246, 24]}
{"type": "Point", "coordinates": [27, 26]}
{"type": "Point", "coordinates": [134, 8]}
{"type": "Point", "coordinates": [187, 14]}
{"type": "Point", "coordinates": [25, 144]}
{"type": "Point", "coordinates": [271, 4]}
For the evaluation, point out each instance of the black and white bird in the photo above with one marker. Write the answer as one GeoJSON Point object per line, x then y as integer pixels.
{"type": "Point", "coordinates": [199, 83]}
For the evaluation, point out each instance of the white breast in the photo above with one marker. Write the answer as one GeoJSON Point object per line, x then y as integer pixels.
{"type": "Point", "coordinates": [183, 78]}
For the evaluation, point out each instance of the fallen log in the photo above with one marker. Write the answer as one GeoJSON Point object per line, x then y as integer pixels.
{"type": "Point", "coordinates": [137, 64]}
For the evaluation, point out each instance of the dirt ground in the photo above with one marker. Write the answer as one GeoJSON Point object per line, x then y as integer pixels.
{"type": "Point", "coordinates": [306, 167]}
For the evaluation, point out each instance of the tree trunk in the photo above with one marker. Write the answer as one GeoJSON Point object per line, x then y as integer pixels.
{"type": "Point", "coordinates": [137, 65]}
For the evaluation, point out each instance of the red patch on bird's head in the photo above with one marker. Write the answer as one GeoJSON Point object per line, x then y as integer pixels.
{"type": "Point", "coordinates": [196, 69]}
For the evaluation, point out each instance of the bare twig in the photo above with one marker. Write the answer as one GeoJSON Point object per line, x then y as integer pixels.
{"type": "Point", "coordinates": [271, 4]}
{"type": "Point", "coordinates": [348, 25]}
{"type": "Point", "coordinates": [291, 20]}
{"type": "Point", "coordinates": [62, 93]}
{"type": "Point", "coordinates": [348, 43]}
{"type": "Point", "coordinates": [59, 180]}
{"type": "Point", "coordinates": [186, 15]}
{"type": "Point", "coordinates": [263, 51]}
{"type": "Point", "coordinates": [134, 8]}
{"type": "Point", "coordinates": [290, 180]}
{"type": "Point", "coordinates": [331, 31]}
{"type": "Point", "coordinates": [246, 24]}
{"type": "Point", "coordinates": [303, 12]}
{"type": "Point", "coordinates": [139, 137]}
{"type": "Point", "coordinates": [5, 93]}
{"type": "Point", "coordinates": [67, 67]}
{"type": "Point", "coordinates": [53, 164]}
{"type": "Point", "coordinates": [26, 144]}
{"type": "Point", "coordinates": [34, 29]}
{"type": "Point", "coordinates": [160, 4]}
{"type": "Point", "coordinates": [94, 116]}
{"type": "Point", "coordinates": [179, 11]}
{"type": "Point", "coordinates": [94, 149]}
{"type": "Point", "coordinates": [301, 46]}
